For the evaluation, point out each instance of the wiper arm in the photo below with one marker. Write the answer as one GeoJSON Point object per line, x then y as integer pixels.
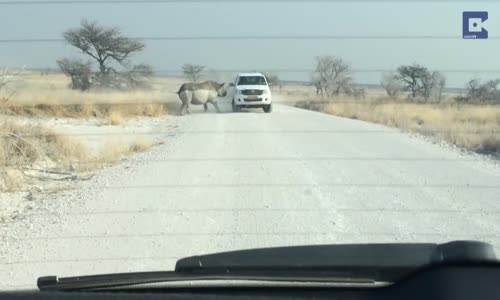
{"type": "Point", "coordinates": [383, 262]}
{"type": "Point", "coordinates": [356, 263]}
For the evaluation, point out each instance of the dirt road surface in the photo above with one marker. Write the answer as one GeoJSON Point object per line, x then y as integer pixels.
{"type": "Point", "coordinates": [244, 180]}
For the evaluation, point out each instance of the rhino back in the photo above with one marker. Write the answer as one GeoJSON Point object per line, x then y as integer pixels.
{"type": "Point", "coordinates": [195, 86]}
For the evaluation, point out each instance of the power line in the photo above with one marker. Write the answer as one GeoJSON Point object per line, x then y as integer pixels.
{"type": "Point", "coordinates": [94, 2]}
{"type": "Point", "coordinates": [260, 37]}
{"type": "Point", "coordinates": [352, 70]}
{"type": "Point", "coordinates": [290, 70]}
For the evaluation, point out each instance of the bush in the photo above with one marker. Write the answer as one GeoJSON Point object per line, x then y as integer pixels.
{"type": "Point", "coordinates": [478, 92]}
{"type": "Point", "coordinates": [78, 71]}
{"type": "Point", "coordinates": [420, 82]}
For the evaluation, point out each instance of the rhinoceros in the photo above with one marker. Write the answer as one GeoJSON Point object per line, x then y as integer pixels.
{"type": "Point", "coordinates": [200, 93]}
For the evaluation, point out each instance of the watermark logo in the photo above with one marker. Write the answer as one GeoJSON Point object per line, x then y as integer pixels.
{"type": "Point", "coordinates": [472, 25]}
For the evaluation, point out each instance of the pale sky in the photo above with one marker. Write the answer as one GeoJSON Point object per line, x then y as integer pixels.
{"type": "Point", "coordinates": [368, 18]}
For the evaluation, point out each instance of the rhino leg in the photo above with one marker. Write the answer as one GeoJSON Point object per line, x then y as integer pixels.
{"type": "Point", "coordinates": [184, 97]}
{"type": "Point", "coordinates": [181, 111]}
{"type": "Point", "coordinates": [205, 106]}
{"type": "Point", "coordinates": [216, 106]}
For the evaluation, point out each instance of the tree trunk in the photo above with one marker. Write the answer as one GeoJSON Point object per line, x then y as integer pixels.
{"type": "Point", "coordinates": [102, 67]}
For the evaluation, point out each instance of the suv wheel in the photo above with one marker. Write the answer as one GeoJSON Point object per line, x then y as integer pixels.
{"type": "Point", "coordinates": [235, 107]}
{"type": "Point", "coordinates": [268, 108]}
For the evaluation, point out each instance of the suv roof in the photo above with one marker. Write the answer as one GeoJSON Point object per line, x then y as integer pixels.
{"type": "Point", "coordinates": [250, 74]}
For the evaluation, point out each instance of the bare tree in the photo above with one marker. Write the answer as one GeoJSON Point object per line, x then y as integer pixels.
{"type": "Point", "coordinates": [193, 72]}
{"type": "Point", "coordinates": [7, 77]}
{"type": "Point", "coordinates": [4, 78]}
{"type": "Point", "coordinates": [429, 83]}
{"type": "Point", "coordinates": [103, 44]}
{"type": "Point", "coordinates": [391, 84]}
{"type": "Point", "coordinates": [318, 84]}
{"type": "Point", "coordinates": [472, 87]}
{"type": "Point", "coordinates": [440, 84]}
{"type": "Point", "coordinates": [332, 75]}
{"type": "Point", "coordinates": [79, 72]}
{"type": "Point", "coordinates": [488, 91]}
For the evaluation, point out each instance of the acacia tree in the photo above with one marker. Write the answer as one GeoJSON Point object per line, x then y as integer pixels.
{"type": "Point", "coordinates": [419, 81]}
{"type": "Point", "coordinates": [412, 77]}
{"type": "Point", "coordinates": [193, 72]}
{"type": "Point", "coordinates": [105, 45]}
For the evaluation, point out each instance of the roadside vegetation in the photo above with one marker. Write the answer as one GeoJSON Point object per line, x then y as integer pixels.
{"type": "Point", "coordinates": [474, 127]}
{"type": "Point", "coordinates": [32, 153]}
{"type": "Point", "coordinates": [412, 98]}
{"type": "Point", "coordinates": [26, 148]}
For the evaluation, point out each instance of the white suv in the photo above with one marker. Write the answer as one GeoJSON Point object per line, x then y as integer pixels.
{"type": "Point", "coordinates": [251, 90]}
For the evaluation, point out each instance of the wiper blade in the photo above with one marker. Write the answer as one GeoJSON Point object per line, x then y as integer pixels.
{"type": "Point", "coordinates": [99, 282]}
{"type": "Point", "coordinates": [354, 263]}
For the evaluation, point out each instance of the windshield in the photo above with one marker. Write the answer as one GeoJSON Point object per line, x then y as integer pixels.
{"type": "Point", "coordinates": [251, 80]}
{"type": "Point", "coordinates": [127, 144]}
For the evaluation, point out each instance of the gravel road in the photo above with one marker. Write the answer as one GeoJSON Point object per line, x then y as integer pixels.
{"type": "Point", "coordinates": [243, 180]}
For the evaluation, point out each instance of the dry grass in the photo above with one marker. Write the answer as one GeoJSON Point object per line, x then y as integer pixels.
{"type": "Point", "coordinates": [49, 96]}
{"type": "Point", "coordinates": [29, 143]}
{"type": "Point", "coordinates": [25, 147]}
{"type": "Point", "coordinates": [117, 150]}
{"type": "Point", "coordinates": [132, 107]}
{"type": "Point", "coordinates": [473, 127]}
{"type": "Point", "coordinates": [115, 117]}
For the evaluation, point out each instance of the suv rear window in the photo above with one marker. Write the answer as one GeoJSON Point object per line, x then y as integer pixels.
{"type": "Point", "coordinates": [252, 80]}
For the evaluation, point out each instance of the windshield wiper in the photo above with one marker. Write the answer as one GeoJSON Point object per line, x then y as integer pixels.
{"type": "Point", "coordinates": [350, 263]}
